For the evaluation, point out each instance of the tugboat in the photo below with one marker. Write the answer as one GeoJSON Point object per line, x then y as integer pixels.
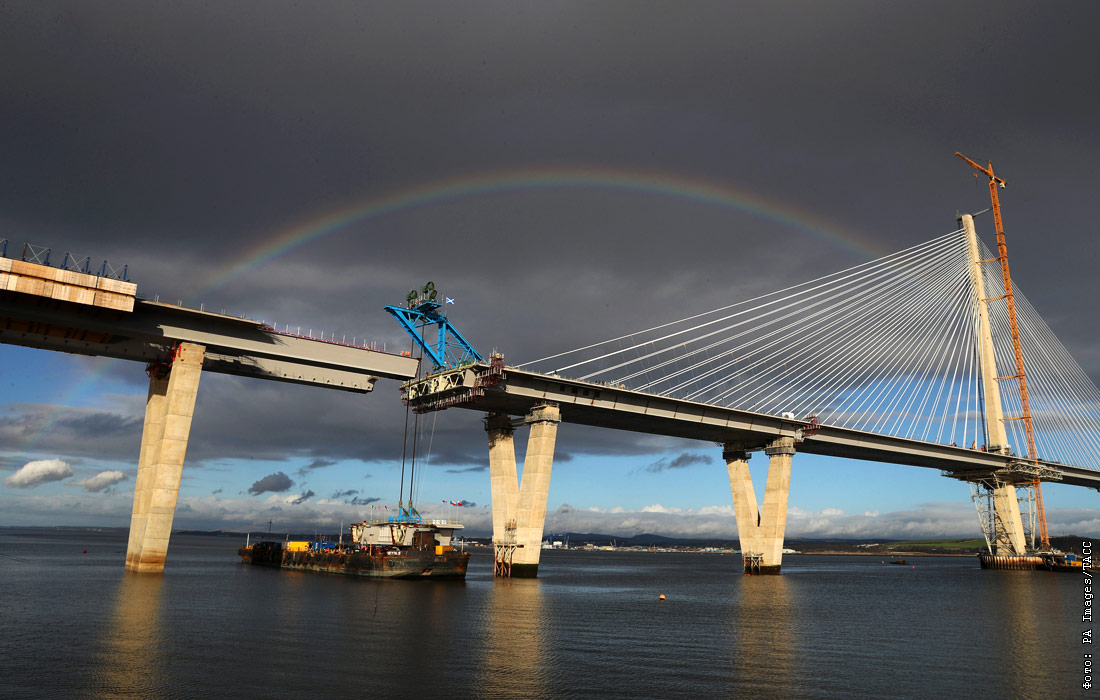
{"type": "Point", "coordinates": [403, 546]}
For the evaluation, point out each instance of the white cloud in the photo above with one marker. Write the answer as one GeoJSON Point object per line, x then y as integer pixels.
{"type": "Point", "coordinates": [658, 508]}
{"type": "Point", "coordinates": [248, 513]}
{"type": "Point", "coordinates": [41, 471]}
{"type": "Point", "coordinates": [101, 481]}
{"type": "Point", "coordinates": [717, 521]}
{"type": "Point", "coordinates": [726, 511]}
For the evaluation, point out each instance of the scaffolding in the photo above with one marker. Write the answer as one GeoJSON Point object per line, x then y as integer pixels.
{"type": "Point", "coordinates": [504, 549]}
{"type": "Point", "coordinates": [753, 561]}
{"type": "Point", "coordinates": [1020, 476]}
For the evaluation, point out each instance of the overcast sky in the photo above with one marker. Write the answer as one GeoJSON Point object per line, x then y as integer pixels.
{"type": "Point", "coordinates": [566, 171]}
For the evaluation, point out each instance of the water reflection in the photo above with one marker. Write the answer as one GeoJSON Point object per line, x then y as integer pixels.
{"type": "Point", "coordinates": [1024, 597]}
{"type": "Point", "coordinates": [763, 624]}
{"type": "Point", "coordinates": [515, 654]}
{"type": "Point", "coordinates": [131, 646]}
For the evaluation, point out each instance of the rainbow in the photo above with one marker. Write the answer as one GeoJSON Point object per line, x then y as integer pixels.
{"type": "Point", "coordinates": [503, 181]}
{"type": "Point", "coordinates": [692, 189]}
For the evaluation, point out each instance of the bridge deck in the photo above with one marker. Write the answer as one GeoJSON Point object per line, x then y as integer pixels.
{"type": "Point", "coordinates": [623, 409]}
{"type": "Point", "coordinates": [43, 307]}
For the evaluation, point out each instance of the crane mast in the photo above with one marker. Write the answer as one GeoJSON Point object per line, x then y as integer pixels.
{"type": "Point", "coordinates": [1020, 376]}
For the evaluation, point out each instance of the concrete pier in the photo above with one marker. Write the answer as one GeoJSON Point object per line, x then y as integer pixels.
{"type": "Point", "coordinates": [519, 506]}
{"type": "Point", "coordinates": [168, 412]}
{"type": "Point", "coordinates": [761, 529]}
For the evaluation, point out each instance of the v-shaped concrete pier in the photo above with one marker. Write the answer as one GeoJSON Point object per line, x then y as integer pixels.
{"type": "Point", "coordinates": [761, 529]}
{"type": "Point", "coordinates": [519, 508]}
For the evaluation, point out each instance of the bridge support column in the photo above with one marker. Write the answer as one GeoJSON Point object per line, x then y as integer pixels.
{"type": "Point", "coordinates": [761, 530]}
{"type": "Point", "coordinates": [168, 412]}
{"type": "Point", "coordinates": [519, 507]}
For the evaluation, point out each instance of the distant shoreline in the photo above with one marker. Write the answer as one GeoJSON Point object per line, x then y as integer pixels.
{"type": "Point", "coordinates": [964, 546]}
{"type": "Point", "coordinates": [893, 553]}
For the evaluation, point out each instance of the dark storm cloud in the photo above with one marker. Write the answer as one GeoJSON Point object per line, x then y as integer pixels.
{"type": "Point", "coordinates": [363, 501]}
{"type": "Point", "coordinates": [318, 463]}
{"type": "Point", "coordinates": [180, 141]}
{"type": "Point", "coordinates": [99, 424]}
{"type": "Point", "coordinates": [303, 498]}
{"type": "Point", "coordinates": [72, 431]}
{"type": "Point", "coordinates": [276, 482]}
{"type": "Point", "coordinates": [267, 420]}
{"type": "Point", "coordinates": [10, 463]}
{"type": "Point", "coordinates": [344, 494]}
{"type": "Point", "coordinates": [248, 418]}
{"type": "Point", "coordinates": [686, 460]}
{"type": "Point", "coordinates": [681, 461]}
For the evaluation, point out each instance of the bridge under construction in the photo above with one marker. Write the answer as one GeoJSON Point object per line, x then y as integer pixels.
{"type": "Point", "coordinates": [899, 361]}
{"type": "Point", "coordinates": [927, 357]}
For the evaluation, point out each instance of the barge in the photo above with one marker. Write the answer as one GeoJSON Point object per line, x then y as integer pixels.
{"type": "Point", "coordinates": [403, 546]}
{"type": "Point", "coordinates": [1039, 561]}
{"type": "Point", "coordinates": [1057, 561]}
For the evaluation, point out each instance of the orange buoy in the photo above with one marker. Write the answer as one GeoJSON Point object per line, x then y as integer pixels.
{"type": "Point", "coordinates": [662, 596]}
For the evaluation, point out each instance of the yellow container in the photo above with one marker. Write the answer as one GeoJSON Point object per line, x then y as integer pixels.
{"type": "Point", "coordinates": [297, 546]}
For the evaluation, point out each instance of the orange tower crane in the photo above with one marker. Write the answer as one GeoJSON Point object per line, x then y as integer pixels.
{"type": "Point", "coordinates": [1020, 377]}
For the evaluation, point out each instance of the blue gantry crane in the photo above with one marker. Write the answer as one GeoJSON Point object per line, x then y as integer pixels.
{"type": "Point", "coordinates": [421, 310]}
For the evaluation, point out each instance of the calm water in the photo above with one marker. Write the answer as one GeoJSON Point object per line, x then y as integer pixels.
{"type": "Point", "coordinates": [76, 626]}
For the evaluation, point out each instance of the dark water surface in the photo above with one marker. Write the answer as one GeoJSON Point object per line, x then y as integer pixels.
{"type": "Point", "coordinates": [77, 626]}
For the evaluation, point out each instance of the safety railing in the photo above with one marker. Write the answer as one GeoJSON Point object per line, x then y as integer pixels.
{"type": "Point", "coordinates": [36, 254]}
{"type": "Point", "coordinates": [40, 255]}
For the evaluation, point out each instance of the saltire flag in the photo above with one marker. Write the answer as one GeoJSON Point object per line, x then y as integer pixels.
{"type": "Point", "coordinates": [449, 300]}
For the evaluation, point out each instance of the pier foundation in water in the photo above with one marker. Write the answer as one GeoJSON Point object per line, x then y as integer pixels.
{"type": "Point", "coordinates": [761, 528]}
{"type": "Point", "coordinates": [173, 386]}
{"type": "Point", "coordinates": [519, 509]}
{"type": "Point", "coordinates": [1006, 562]}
